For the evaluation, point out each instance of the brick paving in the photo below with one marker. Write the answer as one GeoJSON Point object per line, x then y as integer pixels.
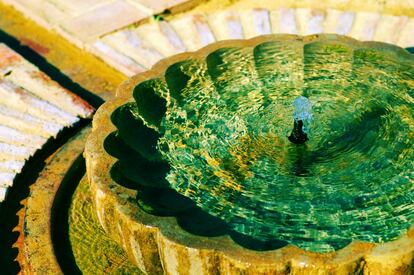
{"type": "Point", "coordinates": [122, 33]}
{"type": "Point", "coordinates": [33, 108]}
{"type": "Point", "coordinates": [190, 32]}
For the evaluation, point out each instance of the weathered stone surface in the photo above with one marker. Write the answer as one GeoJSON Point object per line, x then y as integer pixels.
{"type": "Point", "coordinates": [160, 37]}
{"type": "Point", "coordinates": [88, 71]}
{"type": "Point", "coordinates": [121, 62]}
{"type": "Point", "coordinates": [162, 5]}
{"type": "Point", "coordinates": [20, 72]}
{"type": "Point", "coordinates": [364, 25]}
{"type": "Point", "coordinates": [33, 108]}
{"type": "Point", "coordinates": [38, 250]}
{"type": "Point", "coordinates": [82, 22]}
{"type": "Point", "coordinates": [76, 7]}
{"type": "Point", "coordinates": [43, 12]}
{"type": "Point", "coordinates": [255, 22]}
{"type": "Point", "coordinates": [406, 38]}
{"type": "Point", "coordinates": [3, 191]}
{"type": "Point", "coordinates": [226, 25]}
{"type": "Point", "coordinates": [129, 43]}
{"type": "Point", "coordinates": [93, 251]}
{"type": "Point", "coordinates": [393, 7]}
{"type": "Point", "coordinates": [192, 31]}
{"type": "Point", "coordinates": [310, 21]}
{"type": "Point", "coordinates": [102, 20]}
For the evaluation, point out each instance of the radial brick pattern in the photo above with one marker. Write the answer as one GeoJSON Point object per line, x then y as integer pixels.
{"type": "Point", "coordinates": [33, 108]}
{"type": "Point", "coordinates": [144, 45]}
{"type": "Point", "coordinates": [118, 31]}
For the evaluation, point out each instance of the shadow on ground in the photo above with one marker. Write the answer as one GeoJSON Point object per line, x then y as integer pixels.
{"type": "Point", "coordinates": [20, 189]}
{"type": "Point", "coordinates": [53, 72]}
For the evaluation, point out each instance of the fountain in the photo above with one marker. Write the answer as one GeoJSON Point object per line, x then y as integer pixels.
{"type": "Point", "coordinates": [195, 166]}
{"type": "Point", "coordinates": [301, 115]}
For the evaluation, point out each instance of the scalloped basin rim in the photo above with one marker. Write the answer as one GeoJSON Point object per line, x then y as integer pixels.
{"type": "Point", "coordinates": [124, 90]}
{"type": "Point", "coordinates": [113, 201]}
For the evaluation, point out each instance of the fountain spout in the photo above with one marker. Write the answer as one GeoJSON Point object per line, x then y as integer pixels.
{"type": "Point", "coordinates": [298, 136]}
{"type": "Point", "coordinates": [301, 117]}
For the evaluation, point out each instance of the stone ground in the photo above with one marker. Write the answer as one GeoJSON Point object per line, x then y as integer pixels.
{"type": "Point", "coordinates": [89, 49]}
{"type": "Point", "coordinates": [150, 30]}
{"type": "Point", "coordinates": [88, 77]}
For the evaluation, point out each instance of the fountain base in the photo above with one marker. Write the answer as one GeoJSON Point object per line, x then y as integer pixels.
{"type": "Point", "coordinates": [158, 244]}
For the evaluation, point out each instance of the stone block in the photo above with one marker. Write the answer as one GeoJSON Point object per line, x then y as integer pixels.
{"type": "Point", "coordinates": [103, 20]}
{"type": "Point", "coordinates": [159, 6]}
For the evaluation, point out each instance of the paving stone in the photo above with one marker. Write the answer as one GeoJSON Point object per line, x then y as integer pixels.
{"type": "Point", "coordinates": [226, 25]}
{"type": "Point", "coordinates": [8, 58]}
{"type": "Point", "coordinates": [6, 179]}
{"type": "Point", "coordinates": [103, 20]}
{"type": "Point", "coordinates": [44, 89]}
{"type": "Point", "coordinates": [23, 101]}
{"type": "Point", "coordinates": [23, 74]}
{"type": "Point", "coordinates": [172, 37]}
{"type": "Point", "coordinates": [364, 25]}
{"type": "Point", "coordinates": [255, 22]}
{"type": "Point", "coordinates": [116, 59]}
{"type": "Point", "coordinates": [159, 6]}
{"type": "Point", "coordinates": [33, 108]}
{"type": "Point", "coordinates": [77, 7]}
{"type": "Point", "coordinates": [21, 152]}
{"type": "Point", "coordinates": [310, 21]}
{"type": "Point", "coordinates": [44, 13]}
{"type": "Point", "coordinates": [130, 44]}
{"type": "Point", "coordinates": [283, 21]}
{"type": "Point", "coordinates": [193, 30]}
{"type": "Point", "coordinates": [188, 32]}
{"type": "Point", "coordinates": [389, 28]}
{"type": "Point", "coordinates": [407, 34]}
{"type": "Point", "coordinates": [18, 137]}
{"type": "Point", "coordinates": [11, 166]}
{"type": "Point", "coordinates": [339, 22]}
{"type": "Point", "coordinates": [3, 191]}
{"type": "Point", "coordinates": [28, 123]}
{"type": "Point", "coordinates": [203, 28]}
{"type": "Point", "coordinates": [155, 34]}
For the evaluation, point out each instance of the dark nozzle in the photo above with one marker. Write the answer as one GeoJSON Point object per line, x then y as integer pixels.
{"type": "Point", "coordinates": [298, 136]}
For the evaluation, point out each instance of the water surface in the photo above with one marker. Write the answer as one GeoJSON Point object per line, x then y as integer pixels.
{"type": "Point", "coordinates": [223, 122]}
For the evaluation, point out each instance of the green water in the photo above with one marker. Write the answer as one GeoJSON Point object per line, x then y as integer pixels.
{"type": "Point", "coordinates": [222, 122]}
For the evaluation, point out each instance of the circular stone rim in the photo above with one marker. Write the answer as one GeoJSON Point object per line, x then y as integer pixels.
{"type": "Point", "coordinates": [158, 244]}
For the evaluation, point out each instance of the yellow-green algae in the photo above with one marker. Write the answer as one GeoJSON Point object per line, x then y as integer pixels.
{"type": "Point", "coordinates": [95, 252]}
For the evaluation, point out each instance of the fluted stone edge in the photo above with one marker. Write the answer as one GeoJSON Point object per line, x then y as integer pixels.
{"type": "Point", "coordinates": [159, 245]}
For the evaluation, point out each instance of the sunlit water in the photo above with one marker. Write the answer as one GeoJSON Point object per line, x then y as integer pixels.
{"type": "Point", "coordinates": [228, 116]}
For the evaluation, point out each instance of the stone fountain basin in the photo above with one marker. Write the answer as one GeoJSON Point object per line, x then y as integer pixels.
{"type": "Point", "coordinates": [158, 244]}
